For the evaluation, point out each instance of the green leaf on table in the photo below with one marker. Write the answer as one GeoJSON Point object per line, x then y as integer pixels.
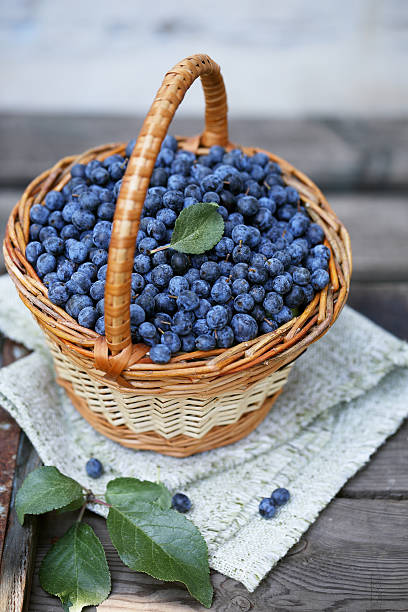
{"type": "Point", "coordinates": [75, 505]}
{"type": "Point", "coordinates": [46, 489]}
{"type": "Point", "coordinates": [162, 543]}
{"type": "Point", "coordinates": [124, 492]}
{"type": "Point", "coordinates": [198, 228]}
{"type": "Point", "coordinates": [75, 569]}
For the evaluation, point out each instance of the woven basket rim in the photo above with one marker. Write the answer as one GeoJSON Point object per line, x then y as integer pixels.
{"type": "Point", "coordinates": [82, 340]}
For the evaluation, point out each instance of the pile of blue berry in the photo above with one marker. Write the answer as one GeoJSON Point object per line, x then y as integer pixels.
{"type": "Point", "coordinates": [265, 269]}
{"type": "Point", "coordinates": [269, 505]}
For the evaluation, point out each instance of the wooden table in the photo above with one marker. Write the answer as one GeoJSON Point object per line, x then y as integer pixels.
{"type": "Point", "coordinates": [355, 556]}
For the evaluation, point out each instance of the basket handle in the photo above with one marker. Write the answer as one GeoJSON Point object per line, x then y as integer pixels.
{"type": "Point", "coordinates": [136, 180]}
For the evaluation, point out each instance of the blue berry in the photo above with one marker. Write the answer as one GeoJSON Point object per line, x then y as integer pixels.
{"type": "Point", "coordinates": [258, 293]}
{"type": "Point", "coordinates": [177, 285]}
{"type": "Point", "coordinates": [39, 214]}
{"type": "Point", "coordinates": [274, 267]}
{"type": "Point", "coordinates": [225, 337]}
{"type": "Point", "coordinates": [54, 200]}
{"type": "Point", "coordinates": [106, 211]}
{"type": "Point", "coordinates": [321, 251]}
{"type": "Point", "coordinates": [33, 251]}
{"type": "Point", "coordinates": [240, 285]}
{"type": "Point", "coordinates": [244, 327]}
{"type": "Point", "coordinates": [87, 317]}
{"type": "Point", "coordinates": [35, 229]}
{"type": "Point", "coordinates": [181, 502]}
{"type": "Point", "coordinates": [301, 276]}
{"type": "Point", "coordinates": [319, 279]}
{"type": "Point", "coordinates": [213, 197]}
{"type": "Point", "coordinates": [161, 275]}
{"type": "Point", "coordinates": [137, 314]}
{"type": "Point", "coordinates": [179, 262]}
{"type": "Point", "coordinates": [282, 284]}
{"type": "Point", "coordinates": [240, 270]}
{"type": "Point", "coordinates": [54, 245]}
{"type": "Point", "coordinates": [182, 323]}
{"type": "Point", "coordinates": [79, 283]}
{"type": "Point", "coordinates": [283, 316]}
{"type": "Point", "coordinates": [209, 271]}
{"type": "Point", "coordinates": [298, 224]}
{"type": "Point", "coordinates": [94, 468]}
{"type": "Point", "coordinates": [164, 303]}
{"type": "Point", "coordinates": [69, 231]}
{"type": "Point", "coordinates": [188, 343]}
{"type": "Point", "coordinates": [241, 253]}
{"type": "Point", "coordinates": [76, 251]}
{"type": "Point", "coordinates": [220, 292]}
{"type": "Point", "coordinates": [273, 303]}
{"type": "Point", "coordinates": [243, 303]}
{"type": "Point", "coordinates": [201, 287]}
{"type": "Point", "coordinates": [58, 293]}
{"type": "Point", "coordinates": [205, 342]}
{"type": "Point", "coordinates": [202, 309]}
{"type": "Point", "coordinates": [217, 317]}
{"type": "Point", "coordinates": [147, 330]}
{"type": "Point", "coordinates": [101, 234]}
{"type": "Point", "coordinates": [46, 263]}
{"type": "Point", "coordinates": [295, 297]}
{"type": "Point", "coordinates": [76, 303]}
{"type": "Point", "coordinates": [267, 509]}
{"type": "Point", "coordinates": [224, 247]}
{"type": "Point", "coordinates": [101, 275]}
{"type": "Point", "coordinates": [188, 300]}
{"type": "Point", "coordinates": [200, 327]}
{"type": "Point", "coordinates": [97, 290]}
{"type": "Point", "coordinates": [280, 496]}
{"type": "Point", "coordinates": [267, 326]}
{"type": "Point", "coordinates": [100, 326]}
{"type": "Point", "coordinates": [142, 264]}
{"type": "Point", "coordinates": [257, 274]}
{"type": "Point", "coordinates": [314, 234]}
{"type": "Point", "coordinates": [47, 232]}
{"type": "Point", "coordinates": [171, 340]}
{"type": "Point", "coordinates": [160, 353]}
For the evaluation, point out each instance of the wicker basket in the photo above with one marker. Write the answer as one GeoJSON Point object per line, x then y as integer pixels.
{"type": "Point", "coordinates": [199, 400]}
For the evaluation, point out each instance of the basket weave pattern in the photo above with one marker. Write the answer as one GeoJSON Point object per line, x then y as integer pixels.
{"type": "Point", "coordinates": [198, 400]}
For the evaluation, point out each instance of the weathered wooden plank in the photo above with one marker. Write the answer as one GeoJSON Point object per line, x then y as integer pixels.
{"type": "Point", "coordinates": [336, 154]}
{"type": "Point", "coordinates": [386, 475]}
{"type": "Point", "coordinates": [353, 558]}
{"type": "Point", "coordinates": [20, 542]}
{"type": "Point", "coordinates": [385, 303]}
{"type": "Point", "coordinates": [377, 224]}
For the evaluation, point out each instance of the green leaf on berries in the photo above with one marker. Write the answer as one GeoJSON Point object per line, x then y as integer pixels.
{"type": "Point", "coordinates": [198, 228]}
{"type": "Point", "coordinates": [75, 569]}
{"type": "Point", "coordinates": [124, 492]}
{"type": "Point", "coordinates": [46, 489]}
{"type": "Point", "coordinates": [161, 543]}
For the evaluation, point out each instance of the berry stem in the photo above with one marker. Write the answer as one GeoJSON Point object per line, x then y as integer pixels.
{"type": "Point", "coordinates": [94, 500]}
{"type": "Point", "coordinates": [161, 248]}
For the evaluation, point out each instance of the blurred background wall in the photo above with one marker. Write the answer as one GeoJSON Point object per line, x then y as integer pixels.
{"type": "Point", "coordinates": [279, 58]}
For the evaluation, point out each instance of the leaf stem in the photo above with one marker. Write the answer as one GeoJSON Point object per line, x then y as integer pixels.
{"type": "Point", "coordinates": [81, 512]}
{"type": "Point", "coordinates": [94, 500]}
{"type": "Point", "coordinates": [161, 248]}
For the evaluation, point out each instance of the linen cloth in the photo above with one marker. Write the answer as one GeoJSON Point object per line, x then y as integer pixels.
{"type": "Point", "coordinates": [345, 395]}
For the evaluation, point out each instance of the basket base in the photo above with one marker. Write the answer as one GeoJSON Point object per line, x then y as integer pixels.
{"type": "Point", "coordinates": [181, 445]}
